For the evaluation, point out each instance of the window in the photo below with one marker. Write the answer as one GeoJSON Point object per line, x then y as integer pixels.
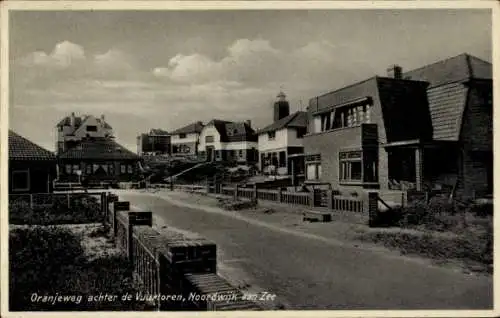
{"type": "Point", "coordinates": [182, 136]}
{"type": "Point", "coordinates": [67, 169]}
{"type": "Point", "coordinates": [130, 169]}
{"type": "Point", "coordinates": [20, 180]}
{"type": "Point", "coordinates": [217, 154]}
{"type": "Point", "coordinates": [240, 153]}
{"type": "Point", "coordinates": [91, 128]}
{"type": "Point", "coordinates": [75, 168]}
{"type": "Point", "coordinates": [209, 139]}
{"type": "Point", "coordinates": [88, 169]}
{"type": "Point", "coordinates": [123, 169]}
{"type": "Point", "coordinates": [175, 149]}
{"type": "Point", "coordinates": [300, 133]}
{"type": "Point", "coordinates": [282, 161]}
{"type": "Point", "coordinates": [343, 117]}
{"type": "Point", "coordinates": [271, 135]}
{"type": "Point", "coordinates": [313, 171]}
{"type": "Point", "coordinates": [350, 165]}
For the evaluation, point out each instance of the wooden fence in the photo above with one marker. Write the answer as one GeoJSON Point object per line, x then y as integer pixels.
{"type": "Point", "coordinates": [164, 259]}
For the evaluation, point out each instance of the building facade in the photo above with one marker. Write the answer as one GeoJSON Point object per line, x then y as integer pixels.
{"type": "Point", "coordinates": [93, 161]}
{"type": "Point", "coordinates": [430, 128]}
{"type": "Point", "coordinates": [32, 169]}
{"type": "Point", "coordinates": [227, 141]}
{"type": "Point", "coordinates": [184, 141]}
{"type": "Point", "coordinates": [156, 142]}
{"type": "Point", "coordinates": [73, 129]}
{"type": "Point", "coordinates": [283, 139]}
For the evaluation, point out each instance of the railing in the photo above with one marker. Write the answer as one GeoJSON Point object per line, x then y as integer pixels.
{"type": "Point", "coordinates": [269, 195]}
{"type": "Point", "coordinates": [245, 193]}
{"type": "Point", "coordinates": [43, 200]}
{"type": "Point", "coordinates": [227, 191]}
{"type": "Point", "coordinates": [348, 204]}
{"type": "Point", "coordinates": [295, 198]}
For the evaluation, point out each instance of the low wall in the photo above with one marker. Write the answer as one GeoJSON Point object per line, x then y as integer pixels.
{"type": "Point", "coordinates": [165, 262]}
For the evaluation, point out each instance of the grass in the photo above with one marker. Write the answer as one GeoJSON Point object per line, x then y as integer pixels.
{"type": "Point", "coordinates": [441, 231]}
{"type": "Point", "coordinates": [53, 261]}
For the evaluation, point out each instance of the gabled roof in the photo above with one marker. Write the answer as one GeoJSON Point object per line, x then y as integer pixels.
{"type": "Point", "coordinates": [233, 131]}
{"type": "Point", "coordinates": [195, 127]}
{"type": "Point", "coordinates": [454, 69]}
{"type": "Point", "coordinates": [99, 148]}
{"type": "Point", "coordinates": [21, 148]}
{"type": "Point", "coordinates": [295, 120]}
{"type": "Point", "coordinates": [66, 121]}
{"type": "Point", "coordinates": [446, 94]}
{"type": "Point", "coordinates": [158, 132]}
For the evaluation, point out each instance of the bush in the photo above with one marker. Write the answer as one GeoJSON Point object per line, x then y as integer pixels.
{"type": "Point", "coordinates": [50, 261]}
{"type": "Point", "coordinates": [83, 209]}
{"type": "Point", "coordinates": [38, 256]}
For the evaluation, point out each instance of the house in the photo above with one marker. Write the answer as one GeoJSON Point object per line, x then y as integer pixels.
{"type": "Point", "coordinates": [228, 141]}
{"type": "Point", "coordinates": [31, 167]}
{"type": "Point", "coordinates": [157, 142]}
{"type": "Point", "coordinates": [430, 128]}
{"type": "Point", "coordinates": [98, 160]}
{"type": "Point", "coordinates": [282, 140]}
{"type": "Point", "coordinates": [184, 141]}
{"type": "Point", "coordinates": [72, 129]}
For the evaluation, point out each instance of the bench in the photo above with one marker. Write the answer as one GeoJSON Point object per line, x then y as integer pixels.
{"type": "Point", "coordinates": [316, 216]}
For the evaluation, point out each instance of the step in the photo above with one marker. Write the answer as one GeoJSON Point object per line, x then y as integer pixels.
{"type": "Point", "coordinates": [316, 216]}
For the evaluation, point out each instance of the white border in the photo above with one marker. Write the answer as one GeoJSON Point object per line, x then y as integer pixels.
{"type": "Point", "coordinates": [6, 6]}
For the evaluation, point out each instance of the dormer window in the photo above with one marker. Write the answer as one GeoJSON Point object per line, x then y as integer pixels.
{"type": "Point", "coordinates": [271, 135]}
{"type": "Point", "coordinates": [182, 136]}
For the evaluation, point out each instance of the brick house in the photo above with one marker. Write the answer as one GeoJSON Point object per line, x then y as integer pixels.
{"type": "Point", "coordinates": [228, 141]}
{"type": "Point", "coordinates": [156, 141]}
{"type": "Point", "coordinates": [184, 141]}
{"type": "Point", "coordinates": [430, 128]}
{"type": "Point", "coordinates": [98, 160]}
{"type": "Point", "coordinates": [31, 167]}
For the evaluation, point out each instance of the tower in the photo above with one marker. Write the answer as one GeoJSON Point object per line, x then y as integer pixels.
{"type": "Point", "coordinates": [281, 107]}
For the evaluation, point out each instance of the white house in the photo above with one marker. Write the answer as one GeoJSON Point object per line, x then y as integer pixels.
{"type": "Point", "coordinates": [73, 129]}
{"type": "Point", "coordinates": [228, 141]}
{"type": "Point", "coordinates": [280, 140]}
{"type": "Point", "coordinates": [184, 141]}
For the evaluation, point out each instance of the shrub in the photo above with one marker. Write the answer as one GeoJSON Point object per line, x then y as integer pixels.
{"type": "Point", "coordinates": [83, 209]}
{"type": "Point", "coordinates": [50, 260]}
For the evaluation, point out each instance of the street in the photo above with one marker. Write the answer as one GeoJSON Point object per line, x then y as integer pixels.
{"type": "Point", "coordinates": [308, 273]}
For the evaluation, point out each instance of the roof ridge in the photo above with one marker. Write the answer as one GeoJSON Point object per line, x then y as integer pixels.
{"type": "Point", "coordinates": [439, 61]}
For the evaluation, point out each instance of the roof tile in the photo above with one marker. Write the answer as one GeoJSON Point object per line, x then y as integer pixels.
{"type": "Point", "coordinates": [21, 148]}
{"type": "Point", "coordinates": [101, 148]}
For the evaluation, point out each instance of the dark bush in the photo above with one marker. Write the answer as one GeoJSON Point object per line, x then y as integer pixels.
{"type": "Point", "coordinates": [83, 209]}
{"type": "Point", "coordinates": [50, 261]}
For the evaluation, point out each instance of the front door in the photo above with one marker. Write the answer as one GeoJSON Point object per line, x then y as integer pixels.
{"type": "Point", "coordinates": [210, 153]}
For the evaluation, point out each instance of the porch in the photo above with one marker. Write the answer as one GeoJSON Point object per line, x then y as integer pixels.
{"type": "Point", "coordinates": [422, 166]}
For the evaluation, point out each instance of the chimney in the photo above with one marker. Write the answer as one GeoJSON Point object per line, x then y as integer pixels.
{"type": "Point", "coordinates": [102, 117]}
{"type": "Point", "coordinates": [248, 122]}
{"type": "Point", "coordinates": [72, 120]}
{"type": "Point", "coordinates": [395, 71]}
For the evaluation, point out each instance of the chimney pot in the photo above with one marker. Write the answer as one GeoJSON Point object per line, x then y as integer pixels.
{"type": "Point", "coordinates": [248, 122]}
{"type": "Point", "coordinates": [395, 71]}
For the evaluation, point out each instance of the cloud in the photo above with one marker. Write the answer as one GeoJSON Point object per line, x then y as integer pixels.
{"type": "Point", "coordinates": [64, 54]}
{"type": "Point", "coordinates": [240, 85]}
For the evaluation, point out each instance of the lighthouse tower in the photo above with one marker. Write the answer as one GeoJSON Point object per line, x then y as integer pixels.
{"type": "Point", "coordinates": [281, 107]}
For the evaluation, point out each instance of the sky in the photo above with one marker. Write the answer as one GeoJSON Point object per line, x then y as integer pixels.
{"type": "Point", "coordinates": [166, 69]}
